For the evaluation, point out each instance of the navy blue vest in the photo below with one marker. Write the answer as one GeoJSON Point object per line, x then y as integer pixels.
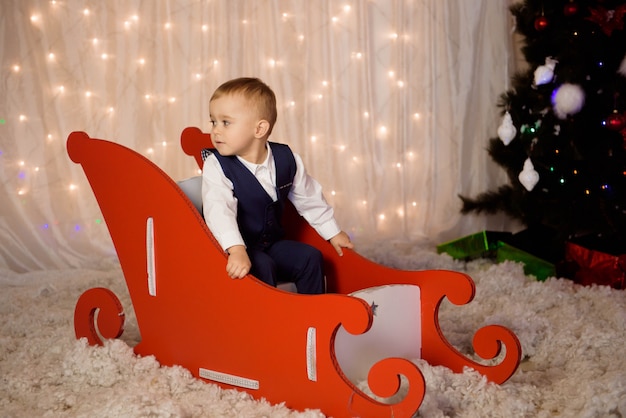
{"type": "Point", "coordinates": [257, 215]}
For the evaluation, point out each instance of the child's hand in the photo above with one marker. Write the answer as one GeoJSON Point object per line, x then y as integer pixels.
{"type": "Point", "coordinates": [239, 263]}
{"type": "Point", "coordinates": [341, 240]}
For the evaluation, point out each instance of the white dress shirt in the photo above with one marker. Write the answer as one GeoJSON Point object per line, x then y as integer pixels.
{"type": "Point", "coordinates": [220, 204]}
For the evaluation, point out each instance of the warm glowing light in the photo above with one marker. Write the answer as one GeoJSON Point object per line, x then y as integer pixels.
{"type": "Point", "coordinates": [400, 212]}
{"type": "Point", "coordinates": [333, 193]}
{"type": "Point", "coordinates": [87, 94]}
{"type": "Point", "coordinates": [357, 55]}
{"type": "Point", "coordinates": [398, 165]}
{"type": "Point", "coordinates": [335, 19]}
{"type": "Point", "coordinates": [51, 56]}
{"type": "Point", "coordinates": [198, 76]}
{"type": "Point", "coordinates": [382, 130]}
{"type": "Point", "coordinates": [164, 143]}
{"type": "Point", "coordinates": [366, 115]}
{"type": "Point", "coordinates": [111, 110]}
{"type": "Point", "coordinates": [61, 89]}
{"type": "Point", "coordinates": [22, 118]}
{"type": "Point", "coordinates": [21, 192]}
{"type": "Point", "coordinates": [73, 187]}
{"type": "Point", "coordinates": [35, 18]}
{"type": "Point", "coordinates": [414, 204]}
{"type": "Point", "coordinates": [86, 12]}
{"type": "Point", "coordinates": [301, 38]}
{"type": "Point", "coordinates": [394, 36]}
{"type": "Point", "coordinates": [50, 137]}
{"type": "Point", "coordinates": [400, 83]}
{"type": "Point", "coordinates": [416, 116]}
{"type": "Point", "coordinates": [325, 83]}
{"type": "Point", "coordinates": [21, 163]}
{"type": "Point", "coordinates": [104, 56]}
{"type": "Point", "coordinates": [141, 61]}
{"type": "Point", "coordinates": [271, 62]}
{"type": "Point", "coordinates": [381, 216]}
{"type": "Point", "coordinates": [16, 68]}
{"type": "Point", "coordinates": [150, 151]}
{"type": "Point", "coordinates": [95, 41]}
{"type": "Point", "coordinates": [135, 18]}
{"type": "Point", "coordinates": [172, 99]}
{"type": "Point", "coordinates": [205, 28]}
{"type": "Point", "coordinates": [313, 138]}
{"type": "Point", "coordinates": [147, 97]}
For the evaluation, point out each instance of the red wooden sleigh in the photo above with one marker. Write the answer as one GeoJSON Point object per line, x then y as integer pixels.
{"type": "Point", "coordinates": [245, 334]}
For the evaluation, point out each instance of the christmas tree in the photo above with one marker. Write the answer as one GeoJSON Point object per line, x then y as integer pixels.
{"type": "Point", "coordinates": [562, 140]}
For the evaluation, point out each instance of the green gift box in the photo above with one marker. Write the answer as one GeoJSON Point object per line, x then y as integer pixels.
{"type": "Point", "coordinates": [495, 245]}
{"type": "Point", "coordinates": [533, 265]}
{"type": "Point", "coordinates": [481, 244]}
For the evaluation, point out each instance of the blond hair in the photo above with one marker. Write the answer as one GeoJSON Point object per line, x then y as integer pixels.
{"type": "Point", "coordinates": [256, 91]}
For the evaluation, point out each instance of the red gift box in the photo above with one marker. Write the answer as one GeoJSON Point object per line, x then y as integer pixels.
{"type": "Point", "coordinates": [596, 267]}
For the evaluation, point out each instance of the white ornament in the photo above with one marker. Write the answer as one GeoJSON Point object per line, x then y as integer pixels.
{"type": "Point", "coordinates": [506, 130]}
{"type": "Point", "coordinates": [622, 67]}
{"type": "Point", "coordinates": [545, 73]}
{"type": "Point", "coordinates": [568, 100]}
{"type": "Point", "coordinates": [528, 177]}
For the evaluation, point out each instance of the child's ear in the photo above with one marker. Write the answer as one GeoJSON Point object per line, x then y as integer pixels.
{"type": "Point", "coordinates": [262, 128]}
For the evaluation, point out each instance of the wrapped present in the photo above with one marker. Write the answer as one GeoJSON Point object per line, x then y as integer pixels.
{"type": "Point", "coordinates": [533, 265]}
{"type": "Point", "coordinates": [595, 263]}
{"type": "Point", "coordinates": [501, 246]}
{"type": "Point", "coordinates": [479, 245]}
{"type": "Point", "coordinates": [537, 247]}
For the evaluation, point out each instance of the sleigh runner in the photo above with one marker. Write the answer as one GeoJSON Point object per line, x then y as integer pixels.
{"type": "Point", "coordinates": [245, 334]}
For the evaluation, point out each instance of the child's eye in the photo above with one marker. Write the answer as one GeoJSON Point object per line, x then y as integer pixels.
{"type": "Point", "coordinates": [226, 123]}
{"type": "Point", "coordinates": [213, 123]}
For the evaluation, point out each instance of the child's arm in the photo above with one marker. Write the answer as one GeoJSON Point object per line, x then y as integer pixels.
{"type": "Point", "coordinates": [341, 240]}
{"type": "Point", "coordinates": [239, 263]}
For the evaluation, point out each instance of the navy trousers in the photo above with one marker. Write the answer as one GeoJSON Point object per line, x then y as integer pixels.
{"type": "Point", "coordinates": [290, 261]}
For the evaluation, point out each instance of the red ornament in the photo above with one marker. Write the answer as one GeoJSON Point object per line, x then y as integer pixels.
{"type": "Point", "coordinates": [541, 23]}
{"type": "Point", "coordinates": [615, 121]}
{"type": "Point", "coordinates": [570, 9]}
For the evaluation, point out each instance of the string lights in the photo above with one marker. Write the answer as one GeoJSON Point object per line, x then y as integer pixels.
{"type": "Point", "coordinates": [205, 70]}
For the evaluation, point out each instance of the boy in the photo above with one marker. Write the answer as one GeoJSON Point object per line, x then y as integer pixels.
{"type": "Point", "coordinates": [244, 187]}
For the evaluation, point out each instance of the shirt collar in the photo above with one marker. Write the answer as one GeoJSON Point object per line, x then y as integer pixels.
{"type": "Point", "coordinates": [254, 167]}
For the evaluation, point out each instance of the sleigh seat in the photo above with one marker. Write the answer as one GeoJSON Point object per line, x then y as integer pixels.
{"type": "Point", "coordinates": [244, 334]}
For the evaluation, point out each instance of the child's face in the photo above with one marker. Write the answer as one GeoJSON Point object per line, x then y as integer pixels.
{"type": "Point", "coordinates": [235, 127]}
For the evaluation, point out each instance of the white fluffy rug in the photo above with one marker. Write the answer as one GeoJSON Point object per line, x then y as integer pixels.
{"type": "Point", "coordinates": [573, 339]}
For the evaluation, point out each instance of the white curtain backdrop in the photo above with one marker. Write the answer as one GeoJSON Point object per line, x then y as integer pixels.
{"type": "Point", "coordinates": [390, 103]}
